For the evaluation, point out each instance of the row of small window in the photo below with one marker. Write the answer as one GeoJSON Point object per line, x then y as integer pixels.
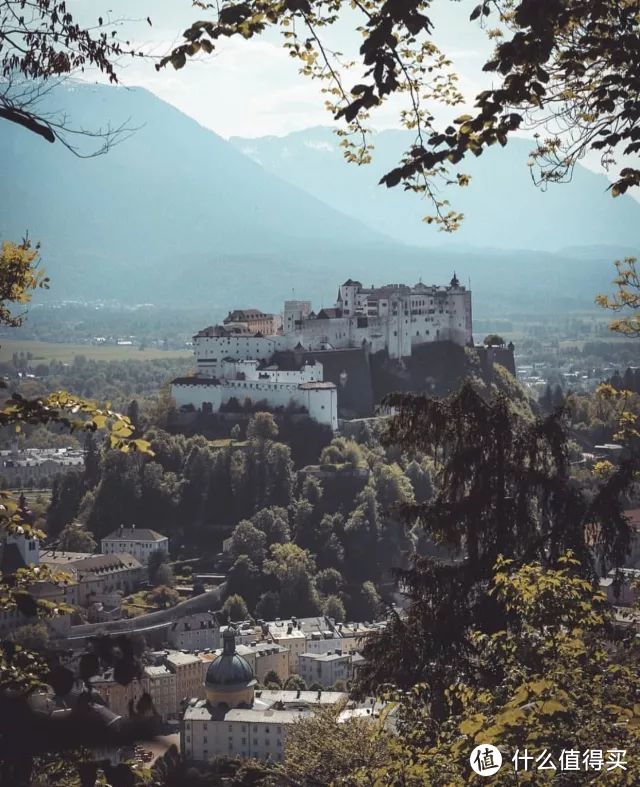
{"type": "Point", "coordinates": [122, 545]}
{"type": "Point", "coordinates": [255, 728]}
{"type": "Point", "coordinates": [262, 387]}
{"type": "Point", "coordinates": [267, 742]}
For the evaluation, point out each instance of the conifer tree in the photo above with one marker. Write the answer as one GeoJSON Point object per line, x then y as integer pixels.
{"type": "Point", "coordinates": [504, 489]}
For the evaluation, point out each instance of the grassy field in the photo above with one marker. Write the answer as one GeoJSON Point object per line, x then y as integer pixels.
{"type": "Point", "coordinates": [50, 351]}
{"type": "Point", "coordinates": [135, 605]}
{"type": "Point", "coordinates": [32, 495]}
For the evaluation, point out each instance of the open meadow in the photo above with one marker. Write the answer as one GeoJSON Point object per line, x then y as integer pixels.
{"type": "Point", "coordinates": [53, 351]}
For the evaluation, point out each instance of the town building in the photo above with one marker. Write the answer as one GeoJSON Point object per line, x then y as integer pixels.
{"type": "Point", "coordinates": [139, 542]}
{"type": "Point", "coordinates": [34, 466]}
{"type": "Point", "coordinates": [85, 579]}
{"type": "Point", "coordinates": [20, 548]}
{"type": "Point", "coordinates": [288, 635]}
{"type": "Point", "coordinates": [198, 631]}
{"type": "Point", "coordinates": [621, 586]}
{"type": "Point", "coordinates": [70, 711]}
{"type": "Point", "coordinates": [316, 635]}
{"type": "Point", "coordinates": [160, 683]}
{"type": "Point", "coordinates": [238, 721]}
{"type": "Point", "coordinates": [347, 637]}
{"type": "Point", "coordinates": [187, 668]}
{"type": "Point", "coordinates": [254, 320]}
{"type": "Point", "coordinates": [271, 658]}
{"type": "Point", "coordinates": [325, 669]}
{"type": "Point", "coordinates": [99, 578]}
{"type": "Point", "coordinates": [118, 697]}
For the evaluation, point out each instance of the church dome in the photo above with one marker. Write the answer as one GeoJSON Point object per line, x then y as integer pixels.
{"type": "Point", "coordinates": [229, 671]}
{"type": "Point", "coordinates": [229, 674]}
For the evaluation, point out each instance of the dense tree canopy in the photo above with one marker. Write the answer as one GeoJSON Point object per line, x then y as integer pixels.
{"type": "Point", "coordinates": [625, 300]}
{"type": "Point", "coordinates": [20, 276]}
{"type": "Point", "coordinates": [75, 538]}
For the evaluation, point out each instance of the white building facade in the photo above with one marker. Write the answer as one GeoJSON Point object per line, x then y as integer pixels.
{"type": "Point", "coordinates": [198, 631]}
{"type": "Point", "coordinates": [303, 389]}
{"type": "Point", "coordinates": [233, 360]}
{"type": "Point", "coordinates": [395, 317]}
{"type": "Point", "coordinates": [139, 542]}
{"type": "Point", "coordinates": [160, 682]}
{"type": "Point", "coordinates": [325, 668]}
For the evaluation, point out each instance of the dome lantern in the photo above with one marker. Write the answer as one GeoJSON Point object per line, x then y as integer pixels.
{"type": "Point", "coordinates": [229, 642]}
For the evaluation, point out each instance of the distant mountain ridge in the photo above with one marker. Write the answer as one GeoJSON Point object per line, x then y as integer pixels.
{"type": "Point", "coordinates": [502, 206]}
{"type": "Point", "coordinates": [172, 189]}
{"type": "Point", "coordinates": [175, 214]}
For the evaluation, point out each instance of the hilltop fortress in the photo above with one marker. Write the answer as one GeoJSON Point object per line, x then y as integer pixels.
{"type": "Point", "coordinates": [336, 362]}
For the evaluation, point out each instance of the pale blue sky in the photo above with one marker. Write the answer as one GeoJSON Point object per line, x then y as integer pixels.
{"type": "Point", "coordinates": [252, 88]}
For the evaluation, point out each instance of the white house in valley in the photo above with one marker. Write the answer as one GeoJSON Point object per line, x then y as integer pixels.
{"type": "Point", "coordinates": [139, 542]}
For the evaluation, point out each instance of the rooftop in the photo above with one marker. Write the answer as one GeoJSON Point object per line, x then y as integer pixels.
{"type": "Point", "coordinates": [288, 698]}
{"type": "Point", "coordinates": [253, 715]}
{"type": "Point", "coordinates": [238, 315]}
{"type": "Point", "coordinates": [159, 671]}
{"type": "Point", "coordinates": [291, 704]}
{"type": "Point", "coordinates": [134, 534]}
{"type": "Point", "coordinates": [177, 658]}
{"type": "Point", "coordinates": [331, 656]}
{"type": "Point", "coordinates": [59, 557]}
{"type": "Point", "coordinates": [117, 560]}
{"type": "Point", "coordinates": [230, 329]}
{"type": "Point", "coordinates": [267, 648]}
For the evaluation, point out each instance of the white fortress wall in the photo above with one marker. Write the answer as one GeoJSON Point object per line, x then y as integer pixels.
{"type": "Point", "coordinates": [197, 394]}
{"type": "Point", "coordinates": [319, 399]}
{"type": "Point", "coordinates": [322, 404]}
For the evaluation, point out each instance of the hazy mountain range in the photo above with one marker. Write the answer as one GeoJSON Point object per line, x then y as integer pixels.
{"type": "Point", "coordinates": [503, 208]}
{"type": "Point", "coordinates": [176, 213]}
